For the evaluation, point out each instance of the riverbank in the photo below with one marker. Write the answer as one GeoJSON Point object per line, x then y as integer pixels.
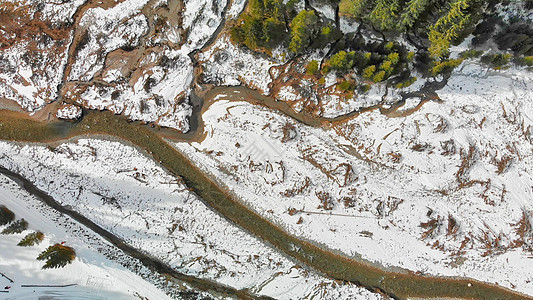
{"type": "Point", "coordinates": [149, 262]}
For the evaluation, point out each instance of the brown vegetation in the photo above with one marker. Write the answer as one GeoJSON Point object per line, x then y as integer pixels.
{"type": "Point", "coordinates": [289, 132]}
{"type": "Point", "coordinates": [453, 227]}
{"type": "Point", "coordinates": [326, 201]}
{"type": "Point", "coordinates": [502, 164]}
{"type": "Point", "coordinates": [431, 227]}
{"type": "Point", "coordinates": [395, 157]}
{"type": "Point", "coordinates": [524, 230]}
{"type": "Point", "coordinates": [298, 188]}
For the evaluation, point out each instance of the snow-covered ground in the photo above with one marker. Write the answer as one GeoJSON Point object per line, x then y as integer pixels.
{"type": "Point", "coordinates": [32, 60]}
{"type": "Point", "coordinates": [94, 276]}
{"type": "Point", "coordinates": [69, 112]}
{"type": "Point", "coordinates": [120, 189]}
{"type": "Point", "coordinates": [441, 190]}
{"type": "Point", "coordinates": [225, 64]}
{"type": "Point", "coordinates": [201, 18]}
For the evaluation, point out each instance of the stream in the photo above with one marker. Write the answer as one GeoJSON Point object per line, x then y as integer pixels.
{"type": "Point", "coordinates": [148, 261]}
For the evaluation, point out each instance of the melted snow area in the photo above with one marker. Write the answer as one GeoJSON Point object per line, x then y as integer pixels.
{"type": "Point", "coordinates": [105, 31]}
{"type": "Point", "coordinates": [441, 191]}
{"type": "Point", "coordinates": [120, 189]}
{"type": "Point", "coordinates": [92, 275]}
{"type": "Point", "coordinates": [120, 61]}
{"type": "Point", "coordinates": [157, 89]}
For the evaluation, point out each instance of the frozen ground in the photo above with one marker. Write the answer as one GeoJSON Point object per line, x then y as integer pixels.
{"type": "Point", "coordinates": [130, 57]}
{"type": "Point", "coordinates": [201, 18]}
{"type": "Point", "coordinates": [120, 189]}
{"type": "Point", "coordinates": [157, 87]}
{"type": "Point", "coordinates": [225, 64]}
{"type": "Point", "coordinates": [33, 56]}
{"type": "Point", "coordinates": [94, 276]}
{"type": "Point", "coordinates": [445, 190]}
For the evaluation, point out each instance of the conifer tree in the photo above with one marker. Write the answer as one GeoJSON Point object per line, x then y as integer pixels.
{"type": "Point", "coordinates": [448, 27]}
{"type": "Point", "coordinates": [385, 14]}
{"type": "Point", "coordinates": [412, 11]}
{"type": "Point", "coordinates": [302, 27]}
{"type": "Point", "coordinates": [355, 8]}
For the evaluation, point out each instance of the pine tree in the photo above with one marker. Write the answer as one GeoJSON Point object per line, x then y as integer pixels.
{"type": "Point", "coordinates": [16, 227]}
{"type": "Point", "coordinates": [302, 27]}
{"type": "Point", "coordinates": [34, 238]}
{"type": "Point", "coordinates": [342, 60]}
{"type": "Point", "coordinates": [354, 8]}
{"type": "Point", "coordinates": [57, 256]}
{"type": "Point", "coordinates": [368, 72]}
{"type": "Point", "coordinates": [412, 12]}
{"type": "Point", "coordinates": [379, 77]}
{"type": "Point", "coordinates": [6, 215]}
{"type": "Point", "coordinates": [394, 58]}
{"type": "Point", "coordinates": [448, 27]}
{"type": "Point", "coordinates": [385, 14]}
{"type": "Point", "coordinates": [312, 67]}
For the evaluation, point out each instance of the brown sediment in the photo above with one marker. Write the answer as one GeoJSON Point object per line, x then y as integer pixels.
{"type": "Point", "coordinates": [79, 31]}
{"type": "Point", "coordinates": [9, 104]}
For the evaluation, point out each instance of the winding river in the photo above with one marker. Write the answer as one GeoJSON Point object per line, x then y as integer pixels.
{"type": "Point", "coordinates": [17, 126]}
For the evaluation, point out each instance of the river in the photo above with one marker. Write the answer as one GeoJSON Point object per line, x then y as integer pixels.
{"type": "Point", "coordinates": [319, 257]}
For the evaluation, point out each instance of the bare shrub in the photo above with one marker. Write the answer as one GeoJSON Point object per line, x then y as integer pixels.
{"type": "Point", "coordinates": [453, 227]}
{"type": "Point", "coordinates": [326, 201]}
{"type": "Point", "coordinates": [502, 164]}
{"type": "Point", "coordinates": [448, 147]}
{"type": "Point", "coordinates": [289, 132]}
{"type": "Point", "coordinates": [431, 227]}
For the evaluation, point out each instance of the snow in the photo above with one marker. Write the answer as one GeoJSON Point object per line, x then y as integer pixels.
{"type": "Point", "coordinates": [107, 30]}
{"type": "Point", "coordinates": [69, 112]}
{"type": "Point", "coordinates": [59, 12]}
{"type": "Point", "coordinates": [236, 7]}
{"type": "Point", "coordinates": [29, 79]}
{"type": "Point", "coordinates": [365, 186]}
{"type": "Point", "coordinates": [119, 188]}
{"type": "Point", "coordinates": [325, 10]}
{"type": "Point", "coordinates": [348, 25]}
{"type": "Point", "coordinates": [225, 64]}
{"type": "Point", "coordinates": [384, 176]}
{"type": "Point", "coordinates": [94, 276]}
{"type": "Point", "coordinates": [201, 18]}
{"type": "Point", "coordinates": [514, 9]}
{"type": "Point", "coordinates": [287, 93]}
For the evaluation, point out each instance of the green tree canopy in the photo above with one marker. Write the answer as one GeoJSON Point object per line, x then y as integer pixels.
{"type": "Point", "coordinates": [302, 28]}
